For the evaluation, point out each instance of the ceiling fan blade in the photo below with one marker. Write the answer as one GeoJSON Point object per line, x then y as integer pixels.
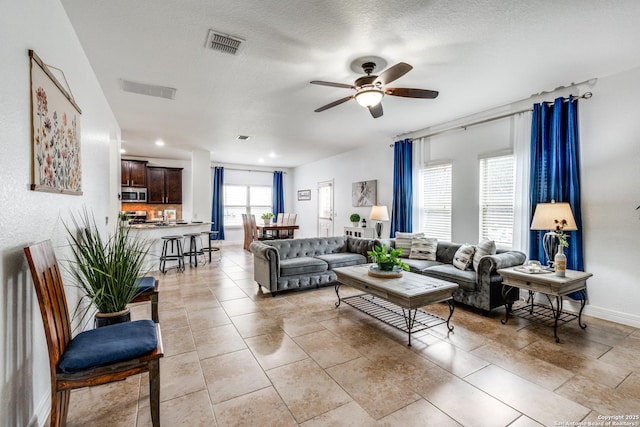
{"type": "Point", "coordinates": [333, 104]}
{"type": "Point", "coordinates": [411, 93]}
{"type": "Point", "coordinates": [393, 73]}
{"type": "Point", "coordinates": [323, 83]}
{"type": "Point", "coordinates": [376, 110]}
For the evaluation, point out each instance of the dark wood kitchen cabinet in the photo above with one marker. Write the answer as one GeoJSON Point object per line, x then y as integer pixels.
{"type": "Point", "coordinates": [164, 185]}
{"type": "Point", "coordinates": [133, 173]}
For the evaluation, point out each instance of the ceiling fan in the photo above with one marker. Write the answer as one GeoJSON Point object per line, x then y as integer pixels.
{"type": "Point", "coordinates": [370, 89]}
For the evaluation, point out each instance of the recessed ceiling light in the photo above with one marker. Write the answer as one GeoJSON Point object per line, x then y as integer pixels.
{"type": "Point", "coordinates": [159, 143]}
{"type": "Point", "coordinates": [261, 160]}
{"type": "Point", "coordinates": [122, 151]}
{"type": "Point", "coordinates": [272, 155]}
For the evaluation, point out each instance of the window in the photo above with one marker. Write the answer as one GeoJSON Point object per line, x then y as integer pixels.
{"type": "Point", "coordinates": [436, 216]}
{"type": "Point", "coordinates": [496, 199]}
{"type": "Point", "coordinates": [249, 199]}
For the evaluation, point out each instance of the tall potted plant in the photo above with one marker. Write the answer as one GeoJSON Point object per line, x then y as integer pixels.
{"type": "Point", "coordinates": [105, 269]}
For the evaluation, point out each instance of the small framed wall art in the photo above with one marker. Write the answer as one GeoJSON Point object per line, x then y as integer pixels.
{"type": "Point", "coordinates": [304, 194]}
{"type": "Point", "coordinates": [364, 193]}
{"type": "Point", "coordinates": [55, 125]}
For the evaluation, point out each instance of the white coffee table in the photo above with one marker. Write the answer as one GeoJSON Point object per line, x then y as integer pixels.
{"type": "Point", "coordinates": [396, 301]}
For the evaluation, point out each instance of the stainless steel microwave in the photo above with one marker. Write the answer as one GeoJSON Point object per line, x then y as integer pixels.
{"type": "Point", "coordinates": [133, 195]}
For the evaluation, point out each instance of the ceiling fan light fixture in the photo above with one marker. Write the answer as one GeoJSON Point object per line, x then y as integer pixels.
{"type": "Point", "coordinates": [369, 97]}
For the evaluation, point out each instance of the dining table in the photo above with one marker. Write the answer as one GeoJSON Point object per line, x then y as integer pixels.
{"type": "Point", "coordinates": [276, 231]}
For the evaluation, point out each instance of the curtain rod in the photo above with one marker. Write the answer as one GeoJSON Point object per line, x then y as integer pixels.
{"type": "Point", "coordinates": [247, 170]}
{"type": "Point", "coordinates": [586, 95]}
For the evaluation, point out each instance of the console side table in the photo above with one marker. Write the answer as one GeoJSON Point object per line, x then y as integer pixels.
{"type": "Point", "coordinates": [550, 285]}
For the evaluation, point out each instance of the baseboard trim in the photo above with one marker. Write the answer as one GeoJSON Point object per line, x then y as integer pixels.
{"type": "Point", "coordinates": [41, 413]}
{"type": "Point", "coordinates": [613, 316]}
{"type": "Point", "coordinates": [593, 311]}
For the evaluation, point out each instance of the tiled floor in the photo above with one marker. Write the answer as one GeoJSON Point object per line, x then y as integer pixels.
{"type": "Point", "coordinates": [235, 356]}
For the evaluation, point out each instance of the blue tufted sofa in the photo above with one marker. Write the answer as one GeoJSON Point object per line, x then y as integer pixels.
{"type": "Point", "coordinates": [280, 265]}
{"type": "Point", "coordinates": [481, 290]}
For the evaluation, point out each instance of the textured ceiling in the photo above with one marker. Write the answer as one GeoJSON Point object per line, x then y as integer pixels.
{"type": "Point", "coordinates": [477, 53]}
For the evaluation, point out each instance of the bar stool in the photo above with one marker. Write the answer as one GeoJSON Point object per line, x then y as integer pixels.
{"type": "Point", "coordinates": [212, 235]}
{"type": "Point", "coordinates": [176, 253]}
{"type": "Point", "coordinates": [193, 251]}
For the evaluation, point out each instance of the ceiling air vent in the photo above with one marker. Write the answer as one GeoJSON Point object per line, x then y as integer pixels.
{"type": "Point", "coordinates": [243, 137]}
{"type": "Point", "coordinates": [150, 90]}
{"type": "Point", "coordinates": [223, 43]}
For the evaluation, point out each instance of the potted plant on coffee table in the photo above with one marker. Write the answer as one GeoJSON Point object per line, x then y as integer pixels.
{"type": "Point", "coordinates": [104, 269]}
{"type": "Point", "coordinates": [387, 260]}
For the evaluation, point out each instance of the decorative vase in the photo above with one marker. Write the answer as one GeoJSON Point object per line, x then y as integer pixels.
{"type": "Point", "coordinates": [364, 223]}
{"type": "Point", "coordinates": [267, 221]}
{"type": "Point", "coordinates": [560, 262]}
{"type": "Point", "coordinates": [105, 319]}
{"type": "Point", "coordinates": [355, 224]}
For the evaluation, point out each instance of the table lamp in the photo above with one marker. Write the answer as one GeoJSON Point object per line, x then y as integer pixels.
{"type": "Point", "coordinates": [547, 216]}
{"type": "Point", "coordinates": [379, 213]}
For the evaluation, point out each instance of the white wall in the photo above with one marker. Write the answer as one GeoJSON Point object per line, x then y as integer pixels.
{"type": "Point", "coordinates": [372, 162]}
{"type": "Point", "coordinates": [29, 216]}
{"type": "Point", "coordinates": [610, 144]}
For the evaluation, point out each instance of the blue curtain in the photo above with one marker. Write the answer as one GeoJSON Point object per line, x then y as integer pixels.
{"type": "Point", "coordinates": [555, 171]}
{"type": "Point", "coordinates": [402, 205]}
{"type": "Point", "coordinates": [217, 207]}
{"type": "Point", "coordinates": [278, 193]}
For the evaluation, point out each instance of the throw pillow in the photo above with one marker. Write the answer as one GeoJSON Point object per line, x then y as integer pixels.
{"type": "Point", "coordinates": [424, 248]}
{"type": "Point", "coordinates": [486, 247]}
{"type": "Point", "coordinates": [463, 258]}
{"type": "Point", "coordinates": [403, 240]}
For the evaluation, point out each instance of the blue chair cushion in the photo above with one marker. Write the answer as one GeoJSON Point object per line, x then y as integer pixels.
{"type": "Point", "coordinates": [145, 284]}
{"type": "Point", "coordinates": [109, 344]}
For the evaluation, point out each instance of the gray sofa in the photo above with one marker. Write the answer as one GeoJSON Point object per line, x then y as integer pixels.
{"type": "Point", "coordinates": [483, 289]}
{"type": "Point", "coordinates": [280, 265]}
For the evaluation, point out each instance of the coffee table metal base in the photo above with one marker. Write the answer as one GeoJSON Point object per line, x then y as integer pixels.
{"type": "Point", "coordinates": [406, 320]}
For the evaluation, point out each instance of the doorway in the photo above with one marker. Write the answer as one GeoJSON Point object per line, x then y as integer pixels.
{"type": "Point", "coordinates": [325, 208]}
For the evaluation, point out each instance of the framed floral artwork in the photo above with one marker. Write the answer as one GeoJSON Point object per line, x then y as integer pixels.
{"type": "Point", "coordinates": [55, 125]}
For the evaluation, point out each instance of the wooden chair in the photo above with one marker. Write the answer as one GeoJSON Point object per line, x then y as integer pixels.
{"type": "Point", "coordinates": [149, 292]}
{"type": "Point", "coordinates": [291, 221]}
{"type": "Point", "coordinates": [247, 232]}
{"type": "Point", "coordinates": [93, 357]}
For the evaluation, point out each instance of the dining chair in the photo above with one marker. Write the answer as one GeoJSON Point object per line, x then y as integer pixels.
{"type": "Point", "coordinates": [279, 218]}
{"type": "Point", "coordinates": [291, 221]}
{"type": "Point", "coordinates": [93, 357]}
{"type": "Point", "coordinates": [247, 233]}
{"type": "Point", "coordinates": [148, 291]}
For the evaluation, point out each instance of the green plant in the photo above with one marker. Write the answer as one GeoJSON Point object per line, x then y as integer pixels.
{"type": "Point", "coordinates": [354, 217]}
{"type": "Point", "coordinates": [382, 257]}
{"type": "Point", "coordinates": [267, 215]}
{"type": "Point", "coordinates": [105, 270]}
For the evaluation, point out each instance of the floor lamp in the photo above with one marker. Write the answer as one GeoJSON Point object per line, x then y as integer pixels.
{"type": "Point", "coordinates": [548, 216]}
{"type": "Point", "coordinates": [379, 213]}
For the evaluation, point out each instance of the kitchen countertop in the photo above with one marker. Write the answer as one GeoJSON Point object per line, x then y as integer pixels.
{"type": "Point", "coordinates": [158, 226]}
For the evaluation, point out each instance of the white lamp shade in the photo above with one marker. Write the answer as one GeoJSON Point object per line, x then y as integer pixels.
{"type": "Point", "coordinates": [547, 216]}
{"type": "Point", "coordinates": [379, 213]}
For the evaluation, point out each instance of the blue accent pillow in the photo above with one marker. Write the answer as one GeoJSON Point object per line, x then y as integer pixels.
{"type": "Point", "coordinates": [109, 344]}
{"type": "Point", "coordinates": [144, 284]}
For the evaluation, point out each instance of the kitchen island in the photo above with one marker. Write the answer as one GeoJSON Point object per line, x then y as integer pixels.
{"type": "Point", "coordinates": [153, 233]}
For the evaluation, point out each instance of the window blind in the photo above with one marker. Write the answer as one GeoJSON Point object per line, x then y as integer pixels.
{"type": "Point", "coordinates": [497, 199]}
{"type": "Point", "coordinates": [436, 212]}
